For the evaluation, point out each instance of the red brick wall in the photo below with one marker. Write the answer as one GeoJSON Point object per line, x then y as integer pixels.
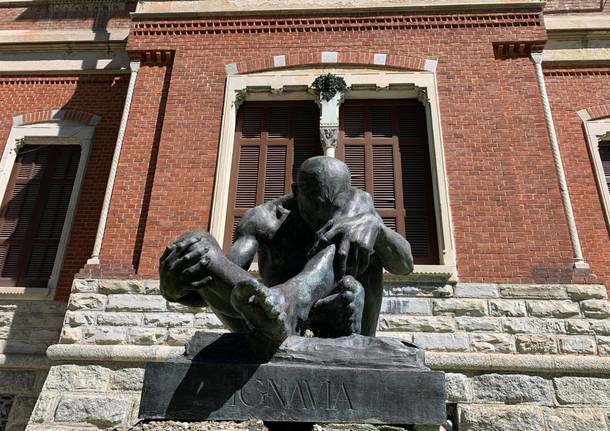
{"type": "Point", "coordinates": [127, 218]}
{"type": "Point", "coordinates": [103, 96]}
{"type": "Point", "coordinates": [571, 91]}
{"type": "Point", "coordinates": [508, 219]}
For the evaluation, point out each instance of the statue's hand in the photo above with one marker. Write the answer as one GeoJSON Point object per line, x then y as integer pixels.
{"type": "Point", "coordinates": [355, 236]}
{"type": "Point", "coordinates": [183, 268]}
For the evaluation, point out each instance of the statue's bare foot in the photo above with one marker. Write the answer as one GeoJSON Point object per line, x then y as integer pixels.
{"type": "Point", "coordinates": [339, 314]}
{"type": "Point", "coordinates": [277, 312]}
{"type": "Point", "coordinates": [263, 308]}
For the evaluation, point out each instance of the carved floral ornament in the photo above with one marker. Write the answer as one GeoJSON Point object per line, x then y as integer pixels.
{"type": "Point", "coordinates": [327, 86]}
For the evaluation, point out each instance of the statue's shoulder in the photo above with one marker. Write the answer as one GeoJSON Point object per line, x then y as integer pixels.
{"type": "Point", "coordinates": [265, 219]}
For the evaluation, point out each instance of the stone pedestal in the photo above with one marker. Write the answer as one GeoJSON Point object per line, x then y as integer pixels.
{"type": "Point", "coordinates": [353, 379]}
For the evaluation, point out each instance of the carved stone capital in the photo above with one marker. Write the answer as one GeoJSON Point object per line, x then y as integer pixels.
{"type": "Point", "coordinates": [329, 135]}
{"type": "Point", "coordinates": [603, 138]}
{"type": "Point", "coordinates": [19, 143]}
{"type": "Point", "coordinates": [422, 96]}
{"type": "Point", "coordinates": [240, 98]}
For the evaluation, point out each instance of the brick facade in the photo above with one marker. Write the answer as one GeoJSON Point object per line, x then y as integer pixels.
{"type": "Point", "coordinates": [500, 189]}
{"type": "Point", "coordinates": [523, 336]}
{"type": "Point", "coordinates": [103, 96]}
{"type": "Point", "coordinates": [566, 89]}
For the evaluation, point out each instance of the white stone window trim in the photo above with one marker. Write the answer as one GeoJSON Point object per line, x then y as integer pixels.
{"type": "Point", "coordinates": [363, 84]}
{"type": "Point", "coordinates": [47, 133]}
{"type": "Point", "coordinates": [598, 131]}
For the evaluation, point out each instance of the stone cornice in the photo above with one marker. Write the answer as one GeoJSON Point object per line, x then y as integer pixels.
{"type": "Point", "coordinates": [29, 3]}
{"type": "Point", "coordinates": [236, 25]}
{"type": "Point", "coordinates": [45, 36]}
{"type": "Point", "coordinates": [53, 40]}
{"type": "Point", "coordinates": [163, 9]}
{"type": "Point", "coordinates": [577, 23]}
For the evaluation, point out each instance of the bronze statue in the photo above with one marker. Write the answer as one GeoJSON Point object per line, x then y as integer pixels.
{"type": "Point", "coordinates": [321, 253]}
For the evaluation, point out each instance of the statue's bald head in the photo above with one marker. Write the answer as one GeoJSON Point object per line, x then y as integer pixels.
{"type": "Point", "coordinates": [325, 174]}
{"type": "Point", "coordinates": [319, 181]}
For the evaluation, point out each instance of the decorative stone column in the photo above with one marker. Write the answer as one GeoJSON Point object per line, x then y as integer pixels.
{"type": "Point", "coordinates": [330, 90]}
{"type": "Point", "coordinates": [99, 237]}
{"type": "Point", "coordinates": [329, 124]}
{"type": "Point", "coordinates": [579, 261]}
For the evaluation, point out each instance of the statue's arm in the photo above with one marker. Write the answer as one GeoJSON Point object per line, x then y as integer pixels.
{"type": "Point", "coordinates": [359, 231]}
{"type": "Point", "coordinates": [394, 251]}
{"type": "Point", "coordinates": [243, 251]}
{"type": "Point", "coordinates": [245, 246]}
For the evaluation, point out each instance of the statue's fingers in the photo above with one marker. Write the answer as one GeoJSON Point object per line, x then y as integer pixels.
{"type": "Point", "coordinates": [183, 242]}
{"type": "Point", "coordinates": [364, 260]}
{"type": "Point", "coordinates": [187, 260]}
{"type": "Point", "coordinates": [341, 258]}
{"type": "Point", "coordinates": [322, 231]}
{"type": "Point", "coordinates": [168, 250]}
{"type": "Point", "coordinates": [191, 272]}
{"type": "Point", "coordinates": [352, 259]}
{"type": "Point", "coordinates": [319, 245]}
{"type": "Point", "coordinates": [178, 249]}
{"type": "Point", "coordinates": [171, 252]}
{"type": "Point", "coordinates": [201, 283]}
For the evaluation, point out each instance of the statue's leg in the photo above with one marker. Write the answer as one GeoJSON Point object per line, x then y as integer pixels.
{"type": "Point", "coordinates": [278, 311]}
{"type": "Point", "coordinates": [372, 281]}
{"type": "Point", "coordinates": [339, 314]}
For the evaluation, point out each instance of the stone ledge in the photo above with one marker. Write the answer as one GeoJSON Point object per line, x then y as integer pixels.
{"type": "Point", "coordinates": [23, 361]}
{"type": "Point", "coordinates": [588, 365]}
{"type": "Point", "coordinates": [12, 37]}
{"type": "Point", "coordinates": [574, 364]}
{"type": "Point", "coordinates": [194, 8]}
{"type": "Point", "coordinates": [87, 353]}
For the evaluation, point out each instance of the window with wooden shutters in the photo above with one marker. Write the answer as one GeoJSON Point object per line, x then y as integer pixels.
{"type": "Point", "coordinates": [385, 145]}
{"type": "Point", "coordinates": [604, 154]}
{"type": "Point", "coordinates": [33, 212]}
{"type": "Point", "coordinates": [271, 141]}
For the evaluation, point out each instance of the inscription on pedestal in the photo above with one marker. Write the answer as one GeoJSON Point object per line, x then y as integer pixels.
{"type": "Point", "coordinates": [298, 394]}
{"type": "Point", "coordinates": [278, 392]}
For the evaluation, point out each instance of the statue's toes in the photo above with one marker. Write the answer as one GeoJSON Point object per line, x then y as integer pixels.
{"type": "Point", "coordinates": [348, 297]}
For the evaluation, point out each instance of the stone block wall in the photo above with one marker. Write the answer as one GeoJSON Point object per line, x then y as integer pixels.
{"type": "Point", "coordinates": [27, 328]}
{"type": "Point", "coordinates": [527, 357]}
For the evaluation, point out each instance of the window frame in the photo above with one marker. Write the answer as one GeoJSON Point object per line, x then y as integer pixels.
{"type": "Point", "coordinates": [598, 131]}
{"type": "Point", "coordinates": [47, 133]}
{"type": "Point", "coordinates": [364, 84]}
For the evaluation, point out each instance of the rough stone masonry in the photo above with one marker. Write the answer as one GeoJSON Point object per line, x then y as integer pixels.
{"type": "Point", "coordinates": [511, 361]}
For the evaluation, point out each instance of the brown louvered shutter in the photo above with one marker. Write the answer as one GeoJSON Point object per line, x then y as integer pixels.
{"type": "Point", "coordinates": [33, 213]}
{"type": "Point", "coordinates": [385, 145]}
{"type": "Point", "coordinates": [604, 154]}
{"type": "Point", "coordinates": [271, 141]}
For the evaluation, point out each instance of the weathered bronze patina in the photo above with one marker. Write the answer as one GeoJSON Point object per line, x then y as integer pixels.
{"type": "Point", "coordinates": [321, 253]}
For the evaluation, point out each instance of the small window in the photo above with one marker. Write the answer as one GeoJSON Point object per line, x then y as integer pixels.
{"type": "Point", "coordinates": [33, 213]}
